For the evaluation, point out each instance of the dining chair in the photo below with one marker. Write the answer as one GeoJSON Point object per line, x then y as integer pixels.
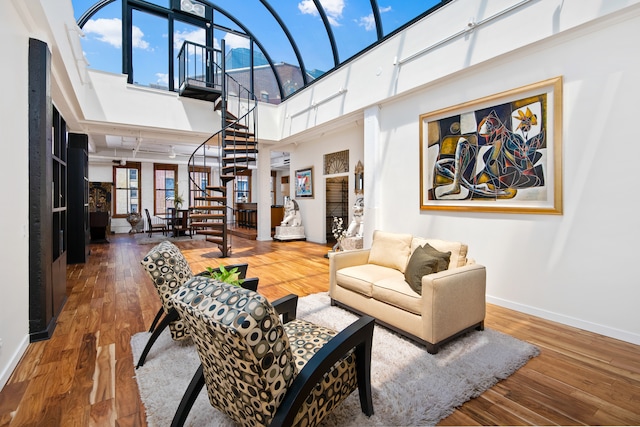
{"type": "Point", "coordinates": [154, 227]}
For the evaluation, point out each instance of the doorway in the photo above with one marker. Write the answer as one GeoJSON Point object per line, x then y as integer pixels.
{"type": "Point", "coordinates": [337, 204]}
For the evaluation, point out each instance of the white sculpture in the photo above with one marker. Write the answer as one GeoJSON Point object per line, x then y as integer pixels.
{"type": "Point", "coordinates": [356, 227]}
{"type": "Point", "coordinates": [292, 216]}
{"type": "Point", "coordinates": [291, 226]}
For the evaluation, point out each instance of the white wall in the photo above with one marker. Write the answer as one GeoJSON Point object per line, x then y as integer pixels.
{"type": "Point", "coordinates": [311, 154]}
{"type": "Point", "coordinates": [109, 99]}
{"type": "Point", "coordinates": [14, 253]}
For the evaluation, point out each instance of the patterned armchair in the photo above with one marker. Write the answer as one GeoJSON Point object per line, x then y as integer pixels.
{"type": "Point", "coordinates": [260, 371]}
{"type": "Point", "coordinates": [168, 269]}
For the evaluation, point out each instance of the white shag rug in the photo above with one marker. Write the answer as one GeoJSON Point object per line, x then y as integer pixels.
{"type": "Point", "coordinates": [410, 387]}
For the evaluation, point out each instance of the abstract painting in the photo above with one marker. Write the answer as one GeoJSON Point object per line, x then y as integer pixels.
{"type": "Point", "coordinates": [304, 183]}
{"type": "Point", "coordinates": [501, 153]}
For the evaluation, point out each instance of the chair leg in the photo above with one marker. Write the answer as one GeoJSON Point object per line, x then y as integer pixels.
{"type": "Point", "coordinates": [363, 372]}
{"type": "Point", "coordinates": [170, 317]}
{"type": "Point", "coordinates": [189, 398]}
{"type": "Point", "coordinates": [156, 319]}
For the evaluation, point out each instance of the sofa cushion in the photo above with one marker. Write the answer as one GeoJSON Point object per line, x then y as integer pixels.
{"type": "Point", "coordinates": [425, 260]}
{"type": "Point", "coordinates": [390, 250]}
{"type": "Point", "coordinates": [398, 293]}
{"type": "Point", "coordinates": [359, 278]}
{"type": "Point", "coordinates": [458, 250]}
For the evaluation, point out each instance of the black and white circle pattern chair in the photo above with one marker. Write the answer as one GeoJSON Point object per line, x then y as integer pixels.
{"type": "Point", "coordinates": [168, 270]}
{"type": "Point", "coordinates": [260, 371]}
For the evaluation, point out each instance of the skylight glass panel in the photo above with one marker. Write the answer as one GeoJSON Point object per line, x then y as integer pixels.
{"type": "Point", "coordinates": [396, 13]}
{"type": "Point", "coordinates": [185, 32]}
{"type": "Point", "coordinates": [150, 50]}
{"type": "Point", "coordinates": [306, 27]}
{"type": "Point", "coordinates": [269, 36]}
{"type": "Point", "coordinates": [102, 41]}
{"type": "Point", "coordinates": [263, 26]}
{"type": "Point", "coordinates": [352, 25]}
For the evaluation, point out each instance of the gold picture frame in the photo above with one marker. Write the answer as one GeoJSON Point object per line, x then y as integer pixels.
{"type": "Point", "coordinates": [500, 153]}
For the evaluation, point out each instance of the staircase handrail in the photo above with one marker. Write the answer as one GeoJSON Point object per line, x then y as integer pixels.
{"type": "Point", "coordinates": [250, 97]}
{"type": "Point", "coordinates": [236, 140]}
{"type": "Point", "coordinates": [213, 63]}
{"type": "Point", "coordinates": [193, 155]}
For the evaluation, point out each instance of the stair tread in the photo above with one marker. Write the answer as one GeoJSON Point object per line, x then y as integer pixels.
{"type": "Point", "coordinates": [235, 124]}
{"type": "Point", "coordinates": [208, 206]}
{"type": "Point", "coordinates": [210, 232]}
{"type": "Point", "coordinates": [208, 211]}
{"type": "Point", "coordinates": [238, 141]}
{"type": "Point", "coordinates": [238, 132]}
{"type": "Point", "coordinates": [203, 223]}
{"type": "Point", "coordinates": [222, 199]}
{"type": "Point", "coordinates": [216, 188]}
{"type": "Point", "coordinates": [244, 145]}
{"type": "Point", "coordinates": [201, 217]}
{"type": "Point", "coordinates": [238, 156]}
{"type": "Point", "coordinates": [237, 168]}
{"type": "Point", "coordinates": [228, 160]}
{"type": "Point", "coordinates": [240, 150]}
{"type": "Point", "coordinates": [215, 239]}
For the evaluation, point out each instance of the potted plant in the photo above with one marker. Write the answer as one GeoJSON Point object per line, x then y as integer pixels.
{"type": "Point", "coordinates": [178, 201]}
{"type": "Point", "coordinates": [230, 276]}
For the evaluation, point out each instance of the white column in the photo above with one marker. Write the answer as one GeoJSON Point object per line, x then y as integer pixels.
{"type": "Point", "coordinates": [372, 189]}
{"type": "Point", "coordinates": [264, 193]}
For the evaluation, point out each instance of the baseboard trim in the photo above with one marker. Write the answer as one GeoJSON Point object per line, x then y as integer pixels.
{"type": "Point", "coordinates": [608, 331]}
{"type": "Point", "coordinates": [13, 361]}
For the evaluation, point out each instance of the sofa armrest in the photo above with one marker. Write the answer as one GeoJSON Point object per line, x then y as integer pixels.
{"type": "Point", "coordinates": [453, 300]}
{"type": "Point", "coordinates": [343, 259]}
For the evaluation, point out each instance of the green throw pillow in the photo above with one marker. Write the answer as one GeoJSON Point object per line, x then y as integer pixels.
{"type": "Point", "coordinates": [425, 260]}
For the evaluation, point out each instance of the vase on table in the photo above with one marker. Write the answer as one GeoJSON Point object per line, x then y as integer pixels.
{"type": "Point", "coordinates": [134, 219]}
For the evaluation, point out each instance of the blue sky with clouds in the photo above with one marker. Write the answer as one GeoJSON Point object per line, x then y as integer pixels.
{"type": "Point", "coordinates": [351, 22]}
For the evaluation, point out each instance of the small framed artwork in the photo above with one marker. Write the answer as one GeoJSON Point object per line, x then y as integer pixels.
{"type": "Point", "coordinates": [304, 183]}
{"type": "Point", "coordinates": [501, 153]}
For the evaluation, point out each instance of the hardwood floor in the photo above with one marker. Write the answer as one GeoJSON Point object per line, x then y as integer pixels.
{"type": "Point", "coordinates": [84, 374]}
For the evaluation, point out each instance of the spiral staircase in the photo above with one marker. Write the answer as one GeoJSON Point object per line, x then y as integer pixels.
{"type": "Point", "coordinates": [231, 150]}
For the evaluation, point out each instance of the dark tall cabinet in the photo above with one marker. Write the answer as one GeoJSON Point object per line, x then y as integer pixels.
{"type": "Point", "coordinates": [47, 198]}
{"type": "Point", "coordinates": [78, 199]}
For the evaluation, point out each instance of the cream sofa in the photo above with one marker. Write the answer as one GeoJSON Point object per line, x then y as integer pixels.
{"type": "Point", "coordinates": [372, 281]}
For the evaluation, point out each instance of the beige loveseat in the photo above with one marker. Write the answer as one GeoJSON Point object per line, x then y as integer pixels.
{"type": "Point", "coordinates": [372, 281]}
